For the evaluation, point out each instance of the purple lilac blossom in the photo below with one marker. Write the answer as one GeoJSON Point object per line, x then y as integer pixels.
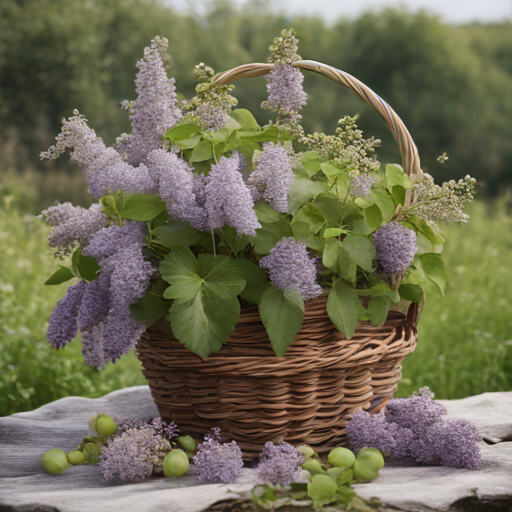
{"type": "Point", "coordinates": [228, 200]}
{"type": "Point", "coordinates": [218, 462]}
{"type": "Point", "coordinates": [104, 168]}
{"type": "Point", "coordinates": [273, 176]}
{"type": "Point", "coordinates": [176, 186]}
{"type": "Point", "coordinates": [285, 92]}
{"type": "Point", "coordinates": [154, 111]}
{"type": "Point", "coordinates": [95, 302]}
{"type": "Point", "coordinates": [360, 185]}
{"type": "Point", "coordinates": [63, 325]}
{"type": "Point", "coordinates": [73, 224]}
{"type": "Point", "coordinates": [133, 454]}
{"type": "Point", "coordinates": [279, 464]}
{"type": "Point", "coordinates": [211, 117]}
{"type": "Point", "coordinates": [92, 346]}
{"type": "Point", "coordinates": [396, 247]}
{"type": "Point", "coordinates": [291, 268]}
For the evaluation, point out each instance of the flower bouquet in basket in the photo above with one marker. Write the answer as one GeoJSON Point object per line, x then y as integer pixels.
{"type": "Point", "coordinates": [270, 279]}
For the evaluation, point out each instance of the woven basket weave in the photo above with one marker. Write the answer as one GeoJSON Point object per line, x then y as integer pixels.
{"type": "Point", "coordinates": [307, 396]}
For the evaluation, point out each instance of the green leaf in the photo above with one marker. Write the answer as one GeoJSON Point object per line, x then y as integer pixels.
{"type": "Point", "coordinates": [411, 292]}
{"type": "Point", "coordinates": [245, 119]}
{"type": "Point", "coordinates": [330, 170]}
{"type": "Point", "coordinates": [348, 267]}
{"type": "Point", "coordinates": [300, 230]}
{"type": "Point", "coordinates": [237, 243]}
{"type": "Point", "coordinates": [363, 313]}
{"type": "Point", "coordinates": [181, 234]}
{"type": "Point", "coordinates": [232, 124]}
{"type": "Point", "coordinates": [269, 234]}
{"type": "Point", "coordinates": [282, 313]}
{"type": "Point", "coordinates": [219, 276]}
{"type": "Point", "coordinates": [343, 308]}
{"type": "Point", "coordinates": [302, 190]}
{"type": "Point", "coordinates": [342, 186]}
{"type": "Point", "coordinates": [332, 232]}
{"type": "Point", "coordinates": [378, 309]}
{"type": "Point", "coordinates": [269, 134]}
{"type": "Point", "coordinates": [373, 216]}
{"type": "Point", "coordinates": [84, 266]}
{"type": "Point", "coordinates": [142, 207]}
{"type": "Point", "coordinates": [256, 280]}
{"type": "Point", "coordinates": [311, 162]}
{"type": "Point", "coordinates": [363, 202]}
{"type": "Point", "coordinates": [265, 212]}
{"type": "Point", "coordinates": [331, 255]}
{"type": "Point", "coordinates": [433, 267]}
{"type": "Point", "coordinates": [361, 227]}
{"type": "Point", "coordinates": [61, 275]}
{"type": "Point", "coordinates": [398, 193]}
{"type": "Point", "coordinates": [361, 250]}
{"type": "Point", "coordinates": [188, 143]}
{"type": "Point", "coordinates": [181, 270]}
{"type": "Point", "coordinates": [394, 175]}
{"type": "Point", "coordinates": [202, 152]}
{"type": "Point", "coordinates": [384, 202]}
{"type": "Point", "coordinates": [311, 216]}
{"type": "Point", "coordinates": [329, 206]}
{"type": "Point", "coordinates": [152, 306]}
{"type": "Point", "coordinates": [182, 132]}
{"type": "Point", "coordinates": [204, 323]}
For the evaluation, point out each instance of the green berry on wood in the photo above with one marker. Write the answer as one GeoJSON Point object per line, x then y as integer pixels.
{"type": "Point", "coordinates": [175, 463]}
{"type": "Point", "coordinates": [55, 462]}
{"type": "Point", "coordinates": [76, 457]}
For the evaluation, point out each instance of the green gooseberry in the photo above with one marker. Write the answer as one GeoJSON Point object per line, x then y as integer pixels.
{"type": "Point", "coordinates": [373, 456]}
{"type": "Point", "coordinates": [92, 422]}
{"type": "Point", "coordinates": [187, 443]}
{"type": "Point", "coordinates": [322, 487]}
{"type": "Point", "coordinates": [55, 462]}
{"type": "Point", "coordinates": [76, 457]}
{"type": "Point", "coordinates": [105, 426]}
{"type": "Point", "coordinates": [334, 472]}
{"type": "Point", "coordinates": [306, 450]}
{"type": "Point", "coordinates": [341, 458]}
{"type": "Point", "coordinates": [364, 471]}
{"type": "Point", "coordinates": [175, 463]}
{"type": "Point", "coordinates": [313, 467]}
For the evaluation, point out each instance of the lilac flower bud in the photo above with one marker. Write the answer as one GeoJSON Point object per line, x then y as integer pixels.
{"type": "Point", "coordinates": [290, 267]}
{"type": "Point", "coordinates": [396, 247]}
{"type": "Point", "coordinates": [273, 176]}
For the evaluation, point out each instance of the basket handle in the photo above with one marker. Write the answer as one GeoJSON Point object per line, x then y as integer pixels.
{"type": "Point", "coordinates": [408, 150]}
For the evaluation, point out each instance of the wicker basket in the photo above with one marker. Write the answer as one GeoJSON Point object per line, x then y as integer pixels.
{"type": "Point", "coordinates": [306, 396]}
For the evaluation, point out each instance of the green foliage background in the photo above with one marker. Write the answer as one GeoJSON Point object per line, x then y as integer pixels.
{"type": "Point", "coordinates": [451, 86]}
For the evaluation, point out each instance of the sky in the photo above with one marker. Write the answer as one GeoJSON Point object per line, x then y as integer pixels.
{"type": "Point", "coordinates": [453, 11]}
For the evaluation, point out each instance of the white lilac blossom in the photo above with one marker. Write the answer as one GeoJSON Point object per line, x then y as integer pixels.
{"type": "Point", "coordinates": [291, 268]}
{"type": "Point", "coordinates": [73, 224]}
{"type": "Point", "coordinates": [361, 185]}
{"type": "Point", "coordinates": [395, 246]}
{"type": "Point", "coordinates": [273, 176]}
{"type": "Point", "coordinates": [279, 464]}
{"type": "Point", "coordinates": [417, 429]}
{"type": "Point", "coordinates": [63, 325]}
{"type": "Point", "coordinates": [176, 185]}
{"type": "Point", "coordinates": [285, 93]}
{"type": "Point", "coordinates": [134, 454]}
{"type": "Point", "coordinates": [104, 168]}
{"type": "Point", "coordinates": [228, 200]}
{"type": "Point", "coordinates": [218, 462]}
{"type": "Point", "coordinates": [154, 111]}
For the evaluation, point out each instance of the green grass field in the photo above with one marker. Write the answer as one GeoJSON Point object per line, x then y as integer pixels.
{"type": "Point", "coordinates": [465, 344]}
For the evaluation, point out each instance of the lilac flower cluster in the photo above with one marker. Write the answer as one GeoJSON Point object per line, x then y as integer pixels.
{"type": "Point", "coordinates": [72, 225]}
{"type": "Point", "coordinates": [228, 199]}
{"type": "Point", "coordinates": [154, 111]}
{"type": "Point", "coordinates": [279, 464]}
{"type": "Point", "coordinates": [134, 454]}
{"type": "Point", "coordinates": [273, 176]}
{"type": "Point", "coordinates": [218, 462]}
{"type": "Point", "coordinates": [361, 185]}
{"type": "Point", "coordinates": [417, 428]}
{"type": "Point", "coordinates": [395, 246]}
{"type": "Point", "coordinates": [290, 267]}
{"type": "Point", "coordinates": [177, 185]}
{"type": "Point", "coordinates": [167, 430]}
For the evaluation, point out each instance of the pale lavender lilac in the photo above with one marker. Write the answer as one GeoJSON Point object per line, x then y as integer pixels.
{"type": "Point", "coordinates": [93, 346]}
{"type": "Point", "coordinates": [273, 176]}
{"type": "Point", "coordinates": [73, 224]}
{"type": "Point", "coordinates": [176, 185]}
{"type": "Point", "coordinates": [396, 246]}
{"type": "Point", "coordinates": [360, 185]}
{"type": "Point", "coordinates": [217, 462]}
{"type": "Point", "coordinates": [228, 200]}
{"type": "Point", "coordinates": [63, 324]}
{"type": "Point", "coordinates": [279, 464]}
{"type": "Point", "coordinates": [291, 268]}
{"type": "Point", "coordinates": [134, 454]}
{"type": "Point", "coordinates": [104, 168]}
{"type": "Point", "coordinates": [95, 302]}
{"type": "Point", "coordinates": [154, 111]}
{"type": "Point", "coordinates": [210, 116]}
{"type": "Point", "coordinates": [285, 93]}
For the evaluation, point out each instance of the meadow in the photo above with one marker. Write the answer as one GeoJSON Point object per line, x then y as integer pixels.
{"type": "Point", "coordinates": [465, 344]}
